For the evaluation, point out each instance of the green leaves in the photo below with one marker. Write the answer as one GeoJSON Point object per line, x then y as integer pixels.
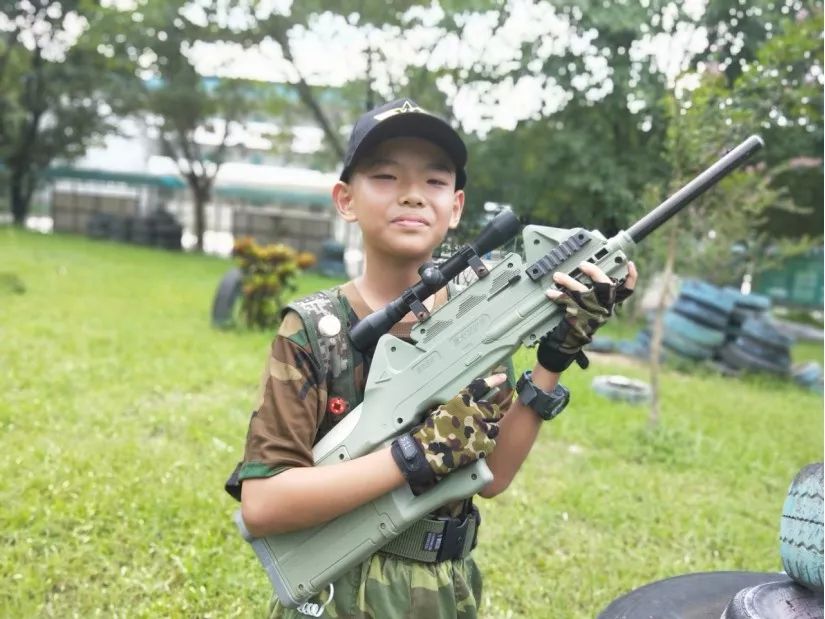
{"type": "Point", "coordinates": [54, 91]}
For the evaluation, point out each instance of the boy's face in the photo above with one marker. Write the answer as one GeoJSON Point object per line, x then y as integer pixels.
{"type": "Point", "coordinates": [403, 196]}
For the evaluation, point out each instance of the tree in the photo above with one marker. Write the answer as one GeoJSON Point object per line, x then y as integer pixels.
{"type": "Point", "coordinates": [179, 105]}
{"type": "Point", "coordinates": [778, 95]}
{"type": "Point", "coordinates": [51, 90]}
{"type": "Point", "coordinates": [781, 93]}
{"type": "Point", "coordinates": [366, 19]}
{"type": "Point", "coordinates": [770, 54]}
{"type": "Point", "coordinates": [585, 157]}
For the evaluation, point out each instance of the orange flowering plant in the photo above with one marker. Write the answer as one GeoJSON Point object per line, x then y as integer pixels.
{"type": "Point", "coordinates": [268, 272]}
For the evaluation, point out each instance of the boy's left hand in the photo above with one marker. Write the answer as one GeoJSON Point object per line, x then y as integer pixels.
{"type": "Point", "coordinates": [586, 309]}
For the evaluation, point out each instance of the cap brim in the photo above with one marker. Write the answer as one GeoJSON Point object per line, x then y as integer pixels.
{"type": "Point", "coordinates": [414, 125]}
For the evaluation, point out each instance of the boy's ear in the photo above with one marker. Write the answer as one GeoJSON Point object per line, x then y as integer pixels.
{"type": "Point", "coordinates": [458, 208]}
{"type": "Point", "coordinates": [342, 198]}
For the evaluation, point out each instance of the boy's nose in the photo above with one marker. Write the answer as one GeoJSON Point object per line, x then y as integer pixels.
{"type": "Point", "coordinates": [411, 198]}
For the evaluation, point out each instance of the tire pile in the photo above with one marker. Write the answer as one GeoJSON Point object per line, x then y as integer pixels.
{"type": "Point", "coordinates": [159, 229]}
{"type": "Point", "coordinates": [794, 594]}
{"type": "Point", "coordinates": [711, 323]}
{"type": "Point", "coordinates": [722, 326]}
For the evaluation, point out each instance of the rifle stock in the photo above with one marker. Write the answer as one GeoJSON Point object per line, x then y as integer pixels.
{"type": "Point", "coordinates": [464, 339]}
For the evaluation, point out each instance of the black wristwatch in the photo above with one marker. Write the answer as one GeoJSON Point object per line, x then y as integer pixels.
{"type": "Point", "coordinates": [547, 405]}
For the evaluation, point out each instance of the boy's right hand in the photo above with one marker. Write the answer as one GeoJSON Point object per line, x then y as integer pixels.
{"type": "Point", "coordinates": [455, 434]}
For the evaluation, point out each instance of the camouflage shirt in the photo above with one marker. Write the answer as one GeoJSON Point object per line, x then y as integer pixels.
{"type": "Point", "coordinates": [293, 411]}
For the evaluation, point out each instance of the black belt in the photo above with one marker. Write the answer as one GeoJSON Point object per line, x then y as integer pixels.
{"type": "Point", "coordinates": [432, 540]}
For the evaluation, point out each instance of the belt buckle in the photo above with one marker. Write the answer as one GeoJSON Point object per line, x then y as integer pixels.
{"type": "Point", "coordinates": [453, 538]}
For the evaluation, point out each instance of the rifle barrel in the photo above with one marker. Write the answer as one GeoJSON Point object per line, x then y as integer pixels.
{"type": "Point", "coordinates": [694, 188]}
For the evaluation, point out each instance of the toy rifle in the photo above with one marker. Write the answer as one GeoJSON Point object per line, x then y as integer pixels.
{"type": "Point", "coordinates": [464, 339]}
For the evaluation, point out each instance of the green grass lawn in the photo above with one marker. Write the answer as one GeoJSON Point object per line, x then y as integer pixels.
{"type": "Point", "coordinates": [123, 411]}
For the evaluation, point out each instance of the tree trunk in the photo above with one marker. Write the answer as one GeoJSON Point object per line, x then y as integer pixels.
{"type": "Point", "coordinates": [658, 331]}
{"type": "Point", "coordinates": [19, 197]}
{"type": "Point", "coordinates": [279, 33]}
{"type": "Point", "coordinates": [201, 190]}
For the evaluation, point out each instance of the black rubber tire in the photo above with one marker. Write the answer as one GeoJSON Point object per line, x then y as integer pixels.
{"type": "Point", "coordinates": [800, 529]}
{"type": "Point", "coordinates": [602, 343]}
{"type": "Point", "coordinates": [685, 347]}
{"type": "Point", "coordinates": [227, 299]}
{"type": "Point", "coordinates": [740, 358]}
{"type": "Point", "coordinates": [708, 295]}
{"type": "Point", "coordinates": [691, 596]}
{"type": "Point", "coordinates": [757, 303]}
{"type": "Point", "coordinates": [701, 313]}
{"type": "Point", "coordinates": [143, 231]}
{"type": "Point", "coordinates": [783, 599]}
{"type": "Point", "coordinates": [689, 329]}
{"type": "Point", "coordinates": [168, 236]}
{"type": "Point", "coordinates": [98, 225]}
{"type": "Point", "coordinates": [622, 389]}
{"type": "Point", "coordinates": [808, 375]}
{"type": "Point", "coordinates": [762, 331]}
{"type": "Point", "coordinates": [776, 356]}
{"type": "Point", "coordinates": [120, 228]}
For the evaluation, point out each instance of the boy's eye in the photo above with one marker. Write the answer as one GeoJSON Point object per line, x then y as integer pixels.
{"type": "Point", "coordinates": [383, 177]}
{"type": "Point", "coordinates": [437, 181]}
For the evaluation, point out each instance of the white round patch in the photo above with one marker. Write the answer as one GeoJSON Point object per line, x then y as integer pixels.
{"type": "Point", "coordinates": [329, 326]}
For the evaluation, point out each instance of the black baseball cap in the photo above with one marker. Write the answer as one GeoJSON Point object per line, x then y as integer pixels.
{"type": "Point", "coordinates": [404, 118]}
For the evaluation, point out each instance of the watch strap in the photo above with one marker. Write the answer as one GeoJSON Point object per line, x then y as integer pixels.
{"type": "Point", "coordinates": [410, 458]}
{"type": "Point", "coordinates": [547, 405]}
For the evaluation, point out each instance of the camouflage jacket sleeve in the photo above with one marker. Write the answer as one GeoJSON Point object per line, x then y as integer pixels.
{"type": "Point", "coordinates": [290, 407]}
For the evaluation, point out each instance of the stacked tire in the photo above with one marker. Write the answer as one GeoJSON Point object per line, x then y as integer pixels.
{"type": "Point", "coordinates": [759, 347]}
{"type": "Point", "coordinates": [159, 229]}
{"type": "Point", "coordinates": [695, 326]}
{"type": "Point", "coordinates": [799, 596]}
{"type": "Point", "coordinates": [795, 594]}
{"type": "Point", "coordinates": [638, 347]}
{"type": "Point", "coordinates": [143, 231]}
{"type": "Point", "coordinates": [120, 228]}
{"type": "Point", "coordinates": [745, 306]}
{"type": "Point", "coordinates": [99, 226]}
{"type": "Point", "coordinates": [721, 324]}
{"type": "Point", "coordinates": [167, 230]}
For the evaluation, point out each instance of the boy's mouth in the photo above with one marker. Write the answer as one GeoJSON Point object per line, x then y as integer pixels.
{"type": "Point", "coordinates": [410, 222]}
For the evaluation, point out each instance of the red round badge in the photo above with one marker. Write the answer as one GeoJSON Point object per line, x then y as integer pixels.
{"type": "Point", "coordinates": [337, 406]}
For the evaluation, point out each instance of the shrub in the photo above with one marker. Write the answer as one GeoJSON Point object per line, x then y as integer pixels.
{"type": "Point", "coordinates": [268, 272]}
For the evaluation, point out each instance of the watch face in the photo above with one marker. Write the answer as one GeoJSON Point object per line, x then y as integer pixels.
{"type": "Point", "coordinates": [555, 407]}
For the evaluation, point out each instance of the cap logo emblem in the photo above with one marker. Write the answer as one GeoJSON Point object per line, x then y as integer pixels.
{"type": "Point", "coordinates": [407, 107]}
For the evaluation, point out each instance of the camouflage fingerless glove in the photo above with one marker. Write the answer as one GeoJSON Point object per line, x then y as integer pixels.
{"type": "Point", "coordinates": [584, 313]}
{"type": "Point", "coordinates": [455, 434]}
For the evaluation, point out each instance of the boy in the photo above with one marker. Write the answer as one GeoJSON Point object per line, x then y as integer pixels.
{"type": "Point", "coordinates": [402, 183]}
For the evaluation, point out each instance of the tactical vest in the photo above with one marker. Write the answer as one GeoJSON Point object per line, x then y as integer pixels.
{"type": "Point", "coordinates": [333, 352]}
{"type": "Point", "coordinates": [335, 358]}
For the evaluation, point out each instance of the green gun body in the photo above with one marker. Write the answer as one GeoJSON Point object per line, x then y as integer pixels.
{"type": "Point", "coordinates": [464, 339]}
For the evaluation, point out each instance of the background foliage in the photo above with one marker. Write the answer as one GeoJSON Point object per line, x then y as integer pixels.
{"type": "Point", "coordinates": [269, 275]}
